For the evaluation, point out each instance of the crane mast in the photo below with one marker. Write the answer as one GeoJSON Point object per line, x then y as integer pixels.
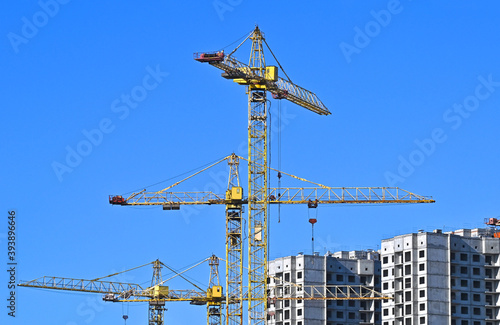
{"type": "Point", "coordinates": [257, 185]}
{"type": "Point", "coordinates": [234, 244]}
{"type": "Point", "coordinates": [156, 306]}
{"type": "Point", "coordinates": [214, 315]}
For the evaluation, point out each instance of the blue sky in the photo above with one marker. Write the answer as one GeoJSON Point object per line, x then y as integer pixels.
{"type": "Point", "coordinates": [413, 87]}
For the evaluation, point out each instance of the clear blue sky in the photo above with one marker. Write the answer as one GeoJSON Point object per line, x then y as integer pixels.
{"type": "Point", "coordinates": [413, 87]}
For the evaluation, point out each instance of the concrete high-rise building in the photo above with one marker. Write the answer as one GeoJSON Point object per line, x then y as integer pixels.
{"type": "Point", "coordinates": [441, 278]}
{"type": "Point", "coordinates": [341, 268]}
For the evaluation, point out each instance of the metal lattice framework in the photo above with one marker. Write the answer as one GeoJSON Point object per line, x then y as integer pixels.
{"type": "Point", "coordinates": [214, 315]}
{"type": "Point", "coordinates": [187, 198]}
{"type": "Point", "coordinates": [342, 195]}
{"type": "Point", "coordinates": [155, 295]}
{"type": "Point", "coordinates": [281, 88]}
{"type": "Point", "coordinates": [156, 308]}
{"type": "Point", "coordinates": [318, 195]}
{"type": "Point", "coordinates": [123, 291]}
{"type": "Point", "coordinates": [234, 247]}
{"type": "Point", "coordinates": [259, 79]}
{"type": "Point", "coordinates": [292, 195]}
{"type": "Point", "coordinates": [53, 282]}
{"type": "Point", "coordinates": [329, 292]}
{"type": "Point", "coordinates": [257, 186]}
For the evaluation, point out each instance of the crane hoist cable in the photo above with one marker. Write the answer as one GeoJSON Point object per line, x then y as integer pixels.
{"type": "Point", "coordinates": [198, 172]}
{"type": "Point", "coordinates": [290, 175]}
{"type": "Point", "coordinates": [312, 221]}
{"type": "Point", "coordinates": [247, 35]}
{"type": "Point", "coordinates": [107, 276]}
{"type": "Point", "coordinates": [125, 313]}
{"type": "Point", "coordinates": [168, 267]}
{"type": "Point", "coordinates": [268, 171]}
{"type": "Point", "coordinates": [180, 273]}
{"type": "Point", "coordinates": [173, 177]}
{"type": "Point", "coordinates": [279, 159]}
{"type": "Point", "coordinates": [276, 60]}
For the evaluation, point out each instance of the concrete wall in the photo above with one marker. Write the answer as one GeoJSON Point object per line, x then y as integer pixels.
{"type": "Point", "coordinates": [339, 268]}
{"type": "Point", "coordinates": [448, 277]}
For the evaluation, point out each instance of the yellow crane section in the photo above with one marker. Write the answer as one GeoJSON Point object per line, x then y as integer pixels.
{"type": "Point", "coordinates": [312, 196]}
{"type": "Point", "coordinates": [262, 77]}
{"type": "Point", "coordinates": [116, 291]}
{"type": "Point", "coordinates": [130, 292]}
{"type": "Point", "coordinates": [259, 78]}
{"type": "Point", "coordinates": [155, 295]}
{"type": "Point", "coordinates": [329, 292]}
{"type": "Point", "coordinates": [234, 199]}
{"type": "Point", "coordinates": [158, 293]}
{"type": "Point", "coordinates": [284, 195]}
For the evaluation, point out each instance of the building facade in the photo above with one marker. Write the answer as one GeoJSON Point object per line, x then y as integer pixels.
{"type": "Point", "coordinates": [441, 278]}
{"type": "Point", "coordinates": [341, 268]}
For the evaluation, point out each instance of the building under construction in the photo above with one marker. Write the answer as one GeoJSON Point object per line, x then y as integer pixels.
{"type": "Point", "coordinates": [342, 270]}
{"type": "Point", "coordinates": [442, 278]}
{"type": "Point", "coordinates": [432, 277]}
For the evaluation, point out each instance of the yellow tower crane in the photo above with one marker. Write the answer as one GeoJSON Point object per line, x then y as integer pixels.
{"type": "Point", "coordinates": [158, 293]}
{"type": "Point", "coordinates": [234, 199]}
{"type": "Point", "coordinates": [259, 78]}
{"type": "Point", "coordinates": [155, 295]}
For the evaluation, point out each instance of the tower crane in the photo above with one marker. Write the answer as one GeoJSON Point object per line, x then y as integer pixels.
{"type": "Point", "coordinates": [158, 293]}
{"type": "Point", "coordinates": [260, 78]}
{"type": "Point", "coordinates": [155, 295]}
{"type": "Point", "coordinates": [234, 199]}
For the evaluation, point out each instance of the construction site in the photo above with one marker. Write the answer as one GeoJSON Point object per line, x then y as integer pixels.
{"type": "Point", "coordinates": [248, 208]}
